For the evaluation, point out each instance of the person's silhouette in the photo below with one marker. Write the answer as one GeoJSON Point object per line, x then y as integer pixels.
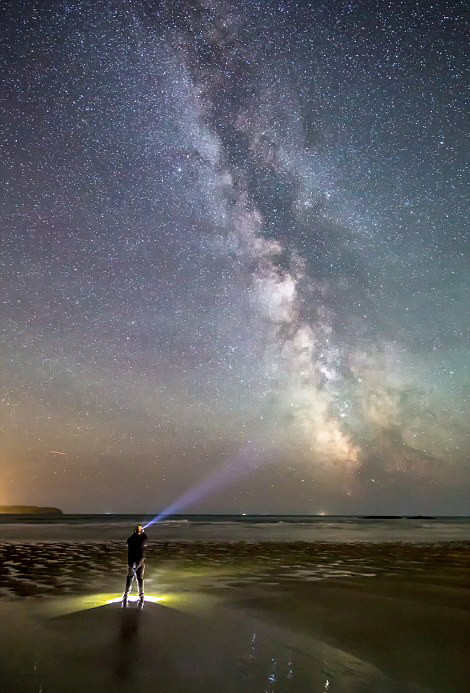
{"type": "Point", "coordinates": [136, 564]}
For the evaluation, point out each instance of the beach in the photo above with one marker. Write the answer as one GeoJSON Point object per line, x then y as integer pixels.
{"type": "Point", "coordinates": [235, 616]}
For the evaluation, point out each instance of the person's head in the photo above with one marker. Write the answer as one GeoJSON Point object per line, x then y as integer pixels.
{"type": "Point", "coordinates": [139, 529]}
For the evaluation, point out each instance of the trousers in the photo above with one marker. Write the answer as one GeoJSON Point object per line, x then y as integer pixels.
{"type": "Point", "coordinates": [136, 570]}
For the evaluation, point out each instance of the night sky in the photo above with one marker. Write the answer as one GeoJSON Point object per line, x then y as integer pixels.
{"type": "Point", "coordinates": [234, 256]}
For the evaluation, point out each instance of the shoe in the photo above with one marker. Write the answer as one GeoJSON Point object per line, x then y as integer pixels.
{"type": "Point", "coordinates": [140, 603]}
{"type": "Point", "coordinates": [124, 602]}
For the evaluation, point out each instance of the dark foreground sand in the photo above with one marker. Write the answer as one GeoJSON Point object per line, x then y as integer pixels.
{"type": "Point", "coordinates": [238, 617]}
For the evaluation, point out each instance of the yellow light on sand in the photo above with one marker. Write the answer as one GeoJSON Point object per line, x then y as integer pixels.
{"type": "Point", "coordinates": [70, 605]}
{"type": "Point", "coordinates": [134, 598]}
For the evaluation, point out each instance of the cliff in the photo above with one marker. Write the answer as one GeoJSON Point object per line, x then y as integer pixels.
{"type": "Point", "coordinates": [28, 510]}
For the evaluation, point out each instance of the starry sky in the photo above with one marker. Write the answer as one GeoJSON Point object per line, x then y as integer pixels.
{"type": "Point", "coordinates": [234, 256]}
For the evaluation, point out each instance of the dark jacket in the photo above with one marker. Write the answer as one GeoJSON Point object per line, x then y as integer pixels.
{"type": "Point", "coordinates": [135, 547]}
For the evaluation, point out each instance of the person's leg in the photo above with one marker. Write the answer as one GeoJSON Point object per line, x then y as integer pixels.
{"type": "Point", "coordinates": [129, 579]}
{"type": "Point", "coordinates": [140, 577]}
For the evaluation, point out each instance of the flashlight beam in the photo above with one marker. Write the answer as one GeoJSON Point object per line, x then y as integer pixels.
{"type": "Point", "coordinates": [247, 460]}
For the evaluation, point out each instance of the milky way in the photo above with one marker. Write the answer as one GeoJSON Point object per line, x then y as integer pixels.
{"type": "Point", "coordinates": [234, 246]}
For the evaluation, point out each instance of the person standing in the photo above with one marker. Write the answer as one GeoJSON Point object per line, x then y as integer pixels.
{"type": "Point", "coordinates": [136, 564]}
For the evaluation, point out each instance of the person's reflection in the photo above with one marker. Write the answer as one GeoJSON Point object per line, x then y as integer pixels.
{"type": "Point", "coordinates": [128, 644]}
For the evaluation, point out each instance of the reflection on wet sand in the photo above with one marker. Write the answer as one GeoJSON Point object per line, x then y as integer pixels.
{"type": "Point", "coordinates": [128, 646]}
{"type": "Point", "coordinates": [113, 650]}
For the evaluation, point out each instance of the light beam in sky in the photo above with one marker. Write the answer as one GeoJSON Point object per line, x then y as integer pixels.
{"type": "Point", "coordinates": [248, 460]}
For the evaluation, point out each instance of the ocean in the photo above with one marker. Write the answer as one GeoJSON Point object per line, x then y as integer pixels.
{"type": "Point", "coordinates": [238, 528]}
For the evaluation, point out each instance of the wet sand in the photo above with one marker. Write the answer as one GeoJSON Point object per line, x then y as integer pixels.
{"type": "Point", "coordinates": [237, 617]}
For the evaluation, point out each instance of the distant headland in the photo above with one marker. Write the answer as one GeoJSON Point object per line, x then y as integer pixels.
{"type": "Point", "coordinates": [28, 510]}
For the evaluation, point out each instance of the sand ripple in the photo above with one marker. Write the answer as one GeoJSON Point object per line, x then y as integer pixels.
{"type": "Point", "coordinates": [51, 568]}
